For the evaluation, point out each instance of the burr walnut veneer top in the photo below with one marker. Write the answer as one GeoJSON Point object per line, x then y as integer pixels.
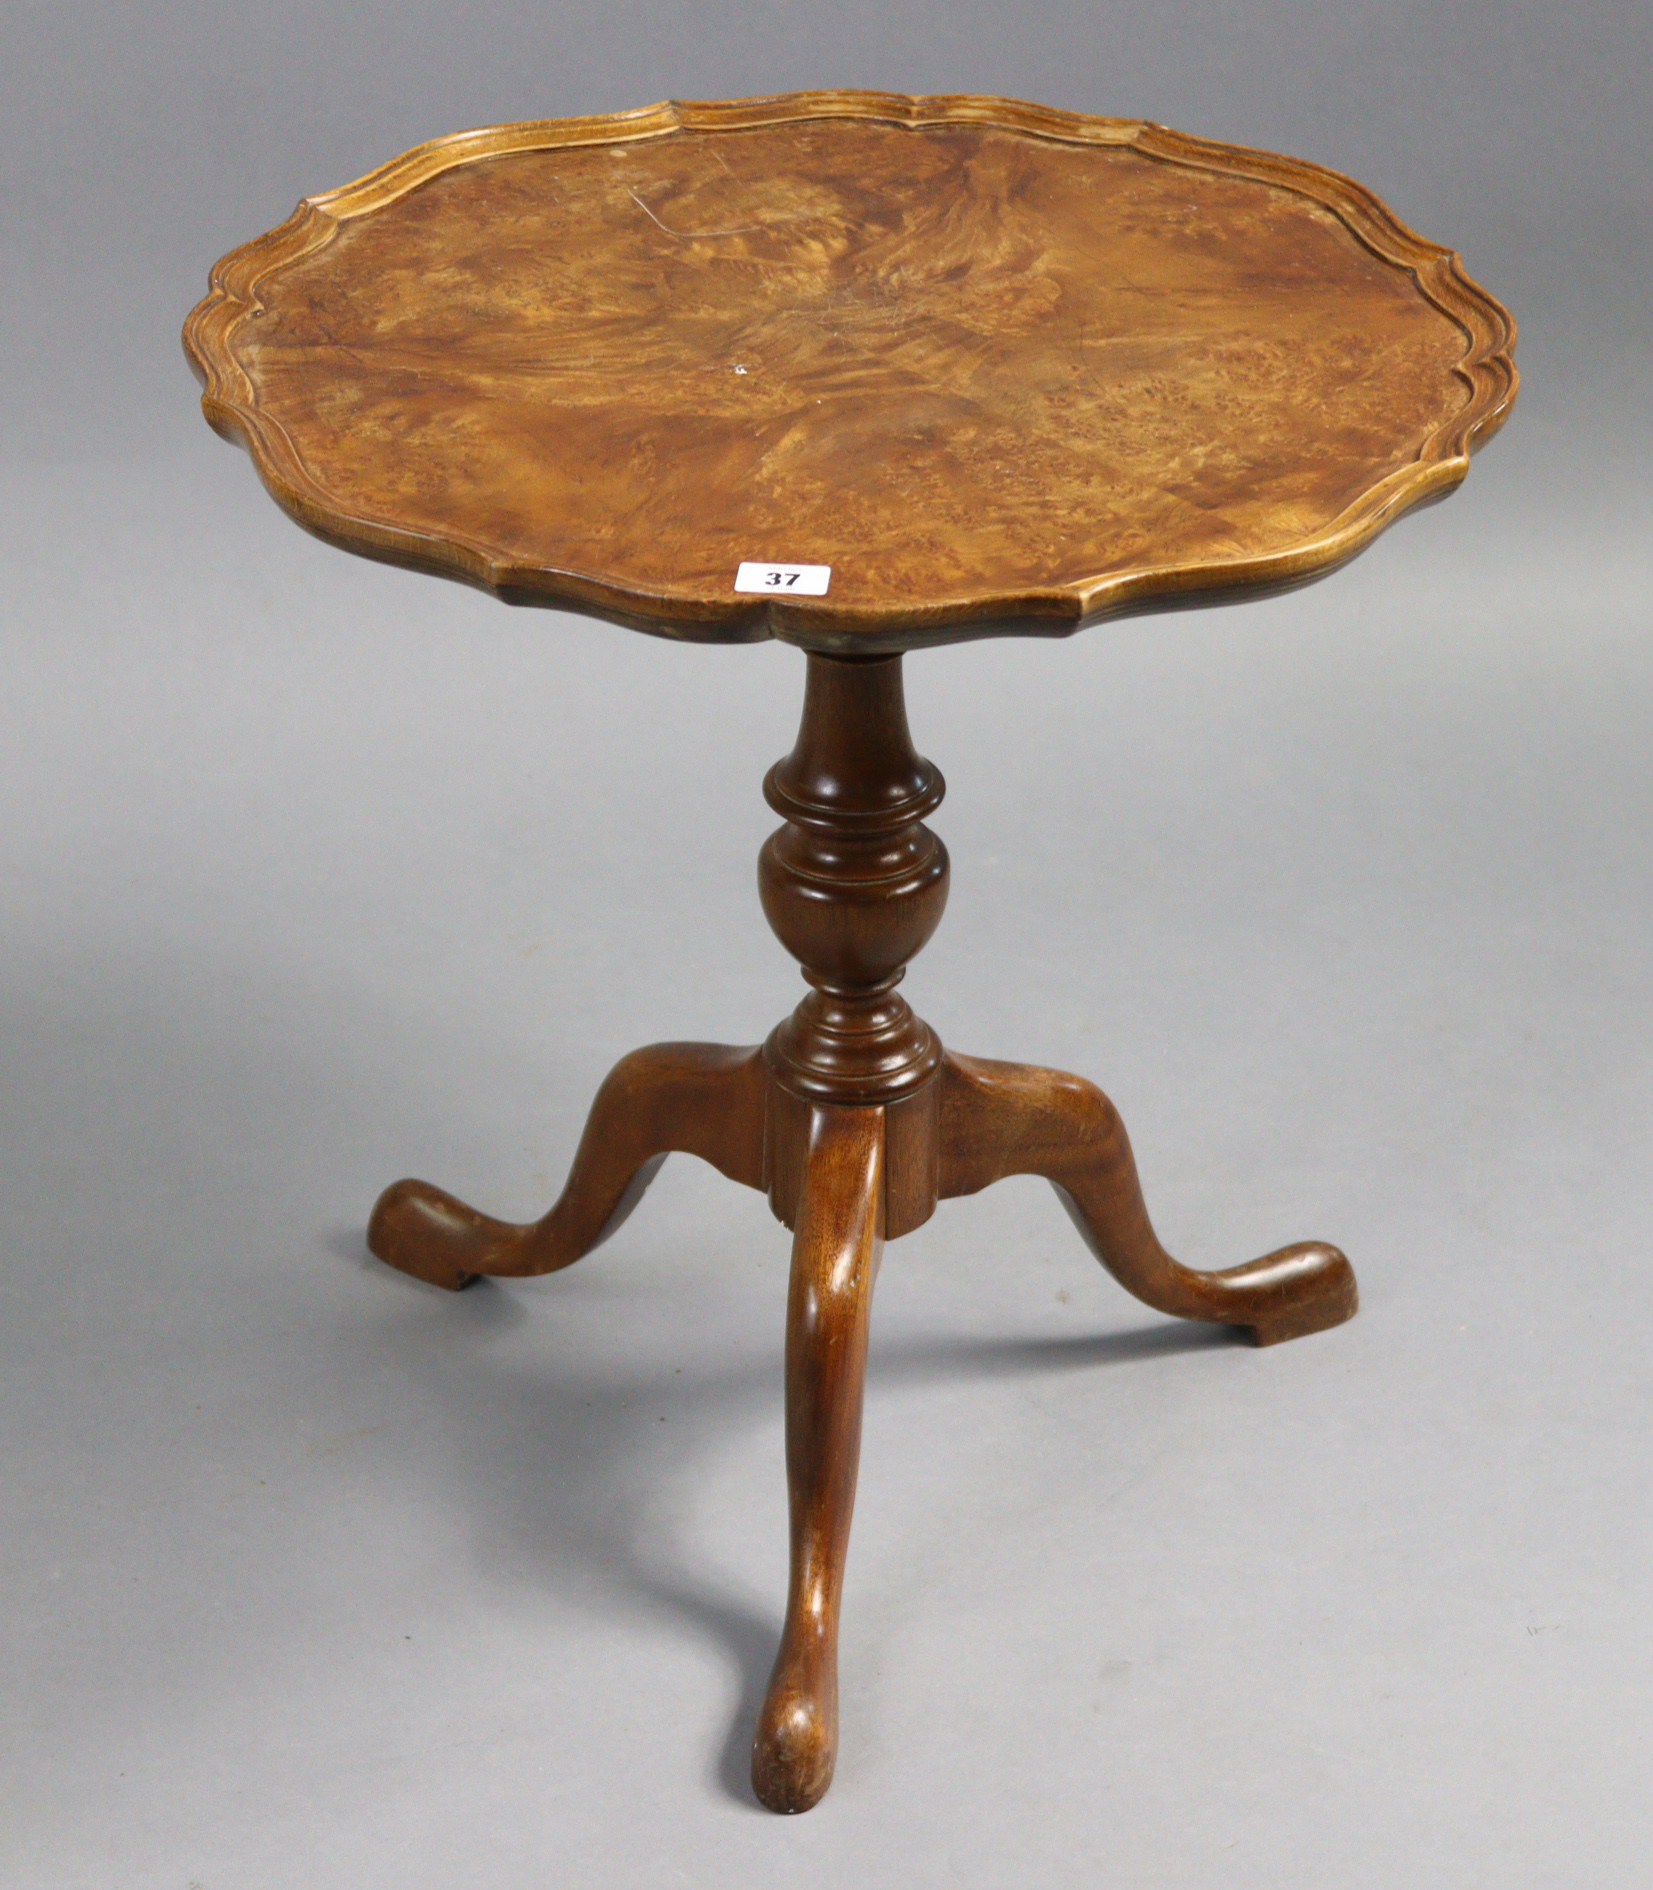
{"type": "Point", "coordinates": [1001, 368]}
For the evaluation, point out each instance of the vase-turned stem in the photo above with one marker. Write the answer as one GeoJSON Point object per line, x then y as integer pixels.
{"type": "Point", "coordinates": [853, 885]}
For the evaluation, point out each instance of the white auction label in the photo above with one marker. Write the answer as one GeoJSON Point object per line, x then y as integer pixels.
{"type": "Point", "coordinates": [785, 580]}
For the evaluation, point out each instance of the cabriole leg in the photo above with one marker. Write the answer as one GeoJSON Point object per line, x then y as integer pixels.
{"type": "Point", "coordinates": [1001, 1119]}
{"type": "Point", "coordinates": [834, 1259]}
{"type": "Point", "coordinates": [701, 1099]}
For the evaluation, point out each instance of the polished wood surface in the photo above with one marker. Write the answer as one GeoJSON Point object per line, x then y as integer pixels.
{"type": "Point", "coordinates": [835, 1254]}
{"type": "Point", "coordinates": [1001, 368]}
{"type": "Point", "coordinates": [855, 1122]}
{"type": "Point", "coordinates": [854, 884]}
{"type": "Point", "coordinates": [700, 1099]}
{"type": "Point", "coordinates": [1000, 1119]}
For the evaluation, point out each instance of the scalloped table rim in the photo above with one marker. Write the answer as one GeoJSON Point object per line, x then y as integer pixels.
{"type": "Point", "coordinates": [231, 407]}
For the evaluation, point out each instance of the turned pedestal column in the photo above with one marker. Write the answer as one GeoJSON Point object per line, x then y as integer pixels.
{"type": "Point", "coordinates": [855, 1122]}
{"type": "Point", "coordinates": [966, 367]}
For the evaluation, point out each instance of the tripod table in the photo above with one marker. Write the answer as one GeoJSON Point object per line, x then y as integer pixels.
{"type": "Point", "coordinates": [865, 373]}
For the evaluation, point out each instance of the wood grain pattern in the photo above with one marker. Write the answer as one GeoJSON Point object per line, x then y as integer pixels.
{"type": "Point", "coordinates": [1001, 368]}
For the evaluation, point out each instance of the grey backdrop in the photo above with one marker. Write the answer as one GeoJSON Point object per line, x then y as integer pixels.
{"type": "Point", "coordinates": [315, 873]}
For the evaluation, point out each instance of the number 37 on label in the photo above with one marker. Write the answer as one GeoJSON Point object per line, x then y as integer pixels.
{"type": "Point", "coordinates": [785, 580]}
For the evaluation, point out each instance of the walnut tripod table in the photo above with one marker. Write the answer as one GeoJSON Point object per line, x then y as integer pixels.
{"type": "Point", "coordinates": [865, 373]}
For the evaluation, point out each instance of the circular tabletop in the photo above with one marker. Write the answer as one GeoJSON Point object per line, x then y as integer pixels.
{"type": "Point", "coordinates": [859, 371]}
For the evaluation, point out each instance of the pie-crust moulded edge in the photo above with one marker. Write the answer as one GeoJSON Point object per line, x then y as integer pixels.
{"type": "Point", "coordinates": [1487, 368]}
